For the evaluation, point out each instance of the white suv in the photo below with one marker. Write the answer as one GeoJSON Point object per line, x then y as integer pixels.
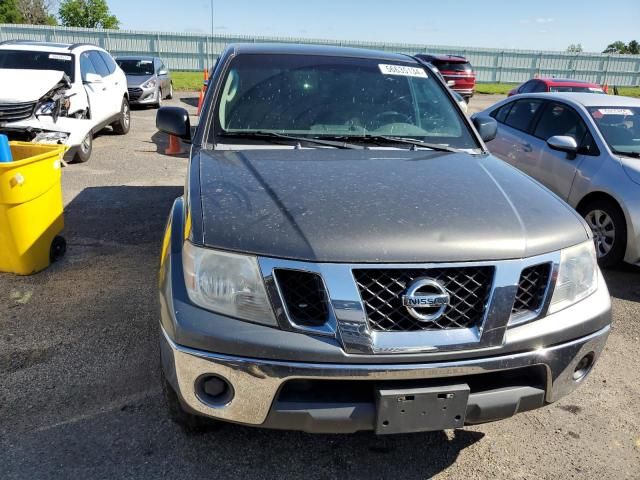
{"type": "Point", "coordinates": [61, 93]}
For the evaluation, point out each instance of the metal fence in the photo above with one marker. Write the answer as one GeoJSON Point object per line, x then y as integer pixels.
{"type": "Point", "coordinates": [186, 51]}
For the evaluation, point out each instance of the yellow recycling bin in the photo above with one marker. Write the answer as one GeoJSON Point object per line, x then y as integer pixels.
{"type": "Point", "coordinates": [31, 208]}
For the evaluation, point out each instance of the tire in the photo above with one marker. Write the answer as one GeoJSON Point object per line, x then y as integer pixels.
{"type": "Point", "coordinates": [187, 421]}
{"type": "Point", "coordinates": [83, 153]}
{"type": "Point", "coordinates": [159, 103]}
{"type": "Point", "coordinates": [122, 126]}
{"type": "Point", "coordinates": [609, 228]}
{"type": "Point", "coordinates": [170, 96]}
{"type": "Point", "coordinates": [58, 248]}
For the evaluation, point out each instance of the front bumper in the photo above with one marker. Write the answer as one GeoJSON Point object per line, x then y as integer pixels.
{"type": "Point", "coordinates": [257, 383]}
{"type": "Point", "coordinates": [145, 96]}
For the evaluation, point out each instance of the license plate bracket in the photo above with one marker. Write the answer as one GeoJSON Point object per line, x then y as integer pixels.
{"type": "Point", "coordinates": [421, 409]}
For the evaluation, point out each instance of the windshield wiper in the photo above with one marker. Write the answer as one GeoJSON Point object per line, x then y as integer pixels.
{"type": "Point", "coordinates": [628, 154]}
{"type": "Point", "coordinates": [274, 135]}
{"type": "Point", "coordinates": [387, 139]}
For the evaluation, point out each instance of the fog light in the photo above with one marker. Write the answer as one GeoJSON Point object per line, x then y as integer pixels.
{"type": "Point", "coordinates": [214, 390]}
{"type": "Point", "coordinates": [583, 367]}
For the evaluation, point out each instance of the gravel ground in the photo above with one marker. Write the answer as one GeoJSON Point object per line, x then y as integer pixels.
{"type": "Point", "coordinates": [79, 365]}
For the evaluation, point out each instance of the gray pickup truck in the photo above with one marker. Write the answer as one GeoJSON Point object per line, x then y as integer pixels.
{"type": "Point", "coordinates": [348, 256]}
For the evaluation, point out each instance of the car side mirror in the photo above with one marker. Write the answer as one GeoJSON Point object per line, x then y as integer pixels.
{"type": "Point", "coordinates": [92, 78]}
{"type": "Point", "coordinates": [162, 72]}
{"type": "Point", "coordinates": [564, 143]}
{"type": "Point", "coordinates": [486, 126]}
{"type": "Point", "coordinates": [174, 121]}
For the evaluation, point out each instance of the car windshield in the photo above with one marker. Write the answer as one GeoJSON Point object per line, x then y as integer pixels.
{"type": "Point", "coordinates": [28, 60]}
{"type": "Point", "coordinates": [136, 66]}
{"type": "Point", "coordinates": [620, 127]}
{"type": "Point", "coordinates": [329, 97]}
{"type": "Point", "coordinates": [453, 66]}
{"type": "Point", "coordinates": [576, 89]}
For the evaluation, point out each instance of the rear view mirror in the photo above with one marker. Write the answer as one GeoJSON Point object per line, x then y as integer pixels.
{"type": "Point", "coordinates": [174, 121]}
{"type": "Point", "coordinates": [486, 126]}
{"type": "Point", "coordinates": [92, 78]}
{"type": "Point", "coordinates": [564, 143]}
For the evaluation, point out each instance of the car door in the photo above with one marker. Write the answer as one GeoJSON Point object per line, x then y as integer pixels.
{"type": "Point", "coordinates": [113, 101]}
{"type": "Point", "coordinates": [96, 88]}
{"type": "Point", "coordinates": [512, 143]}
{"type": "Point", "coordinates": [555, 169]}
{"type": "Point", "coordinates": [117, 78]}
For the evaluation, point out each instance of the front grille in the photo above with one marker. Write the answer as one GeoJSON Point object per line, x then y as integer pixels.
{"type": "Point", "coordinates": [13, 112]}
{"type": "Point", "coordinates": [531, 288]}
{"type": "Point", "coordinates": [304, 296]}
{"type": "Point", "coordinates": [381, 291]}
{"type": "Point", "coordinates": [135, 93]}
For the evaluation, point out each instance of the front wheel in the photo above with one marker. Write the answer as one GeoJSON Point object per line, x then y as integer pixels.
{"type": "Point", "coordinates": [187, 421]}
{"type": "Point", "coordinates": [83, 153]}
{"type": "Point", "coordinates": [170, 96]}
{"type": "Point", "coordinates": [159, 102]}
{"type": "Point", "coordinates": [123, 124]}
{"type": "Point", "coordinates": [607, 222]}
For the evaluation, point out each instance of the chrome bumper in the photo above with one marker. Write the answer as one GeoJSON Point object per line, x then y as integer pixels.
{"type": "Point", "coordinates": [256, 382]}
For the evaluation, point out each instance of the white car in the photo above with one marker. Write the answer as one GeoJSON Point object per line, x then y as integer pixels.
{"type": "Point", "coordinates": [61, 93]}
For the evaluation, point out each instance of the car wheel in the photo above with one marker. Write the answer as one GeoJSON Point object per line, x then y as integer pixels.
{"type": "Point", "coordinates": [187, 421]}
{"type": "Point", "coordinates": [83, 153]}
{"type": "Point", "coordinates": [122, 126]}
{"type": "Point", "coordinates": [170, 96]}
{"type": "Point", "coordinates": [607, 222]}
{"type": "Point", "coordinates": [159, 103]}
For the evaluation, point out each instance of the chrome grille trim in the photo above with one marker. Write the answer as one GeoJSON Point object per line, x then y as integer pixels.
{"type": "Point", "coordinates": [348, 319]}
{"type": "Point", "coordinates": [13, 112]}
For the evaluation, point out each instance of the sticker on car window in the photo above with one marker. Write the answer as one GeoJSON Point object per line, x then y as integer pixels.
{"type": "Point", "coordinates": [55, 56]}
{"type": "Point", "coordinates": [402, 70]}
{"type": "Point", "coordinates": [615, 111]}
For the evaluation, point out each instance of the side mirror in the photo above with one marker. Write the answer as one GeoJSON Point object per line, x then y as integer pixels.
{"type": "Point", "coordinates": [486, 126]}
{"type": "Point", "coordinates": [162, 72]}
{"type": "Point", "coordinates": [564, 143]}
{"type": "Point", "coordinates": [92, 78]}
{"type": "Point", "coordinates": [174, 121]}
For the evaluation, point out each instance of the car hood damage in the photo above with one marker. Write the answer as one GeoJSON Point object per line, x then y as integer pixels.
{"type": "Point", "coordinates": [18, 86]}
{"type": "Point", "coordinates": [378, 206]}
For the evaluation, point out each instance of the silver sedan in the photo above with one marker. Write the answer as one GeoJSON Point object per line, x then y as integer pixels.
{"type": "Point", "coordinates": [586, 149]}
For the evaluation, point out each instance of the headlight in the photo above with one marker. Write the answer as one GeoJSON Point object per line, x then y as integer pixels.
{"type": "Point", "coordinates": [149, 83]}
{"type": "Point", "coordinates": [226, 283]}
{"type": "Point", "coordinates": [45, 108]}
{"type": "Point", "coordinates": [577, 276]}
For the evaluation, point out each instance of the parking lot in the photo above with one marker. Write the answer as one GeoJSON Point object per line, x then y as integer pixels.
{"type": "Point", "coordinates": [80, 393]}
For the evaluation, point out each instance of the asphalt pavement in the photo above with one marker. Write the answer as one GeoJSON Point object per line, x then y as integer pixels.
{"type": "Point", "coordinates": [80, 394]}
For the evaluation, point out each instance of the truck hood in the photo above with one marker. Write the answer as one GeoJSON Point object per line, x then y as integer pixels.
{"type": "Point", "coordinates": [26, 85]}
{"type": "Point", "coordinates": [378, 206]}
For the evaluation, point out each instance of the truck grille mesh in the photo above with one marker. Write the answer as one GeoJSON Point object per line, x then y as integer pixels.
{"type": "Point", "coordinates": [381, 291]}
{"type": "Point", "coordinates": [531, 288]}
{"type": "Point", "coordinates": [304, 296]}
{"type": "Point", "coordinates": [13, 112]}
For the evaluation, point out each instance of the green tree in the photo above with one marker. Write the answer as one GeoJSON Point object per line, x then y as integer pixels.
{"type": "Point", "coordinates": [634, 47]}
{"type": "Point", "coordinates": [35, 12]}
{"type": "Point", "coordinates": [575, 48]}
{"type": "Point", "coordinates": [616, 47]}
{"type": "Point", "coordinates": [87, 13]}
{"type": "Point", "coordinates": [9, 12]}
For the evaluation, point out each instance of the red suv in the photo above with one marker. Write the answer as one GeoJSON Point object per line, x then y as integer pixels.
{"type": "Point", "coordinates": [456, 71]}
{"type": "Point", "coordinates": [536, 85]}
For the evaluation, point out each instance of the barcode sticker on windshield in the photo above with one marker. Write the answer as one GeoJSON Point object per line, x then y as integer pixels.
{"type": "Point", "coordinates": [402, 70]}
{"type": "Point", "coordinates": [55, 56]}
{"type": "Point", "coordinates": [615, 111]}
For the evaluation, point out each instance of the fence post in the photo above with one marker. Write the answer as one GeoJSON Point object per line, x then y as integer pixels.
{"type": "Point", "coordinates": [606, 70]}
{"type": "Point", "coordinates": [158, 43]}
{"type": "Point", "coordinates": [500, 63]}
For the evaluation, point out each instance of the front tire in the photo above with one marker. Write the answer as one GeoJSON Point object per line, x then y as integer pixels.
{"type": "Point", "coordinates": [159, 103]}
{"type": "Point", "coordinates": [123, 124]}
{"type": "Point", "coordinates": [170, 96]}
{"type": "Point", "coordinates": [609, 227]}
{"type": "Point", "coordinates": [187, 421]}
{"type": "Point", "coordinates": [83, 153]}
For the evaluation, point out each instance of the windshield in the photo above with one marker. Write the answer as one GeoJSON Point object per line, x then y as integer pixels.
{"type": "Point", "coordinates": [27, 60]}
{"type": "Point", "coordinates": [620, 127]}
{"type": "Point", "coordinates": [576, 89]}
{"type": "Point", "coordinates": [136, 67]}
{"type": "Point", "coordinates": [324, 97]}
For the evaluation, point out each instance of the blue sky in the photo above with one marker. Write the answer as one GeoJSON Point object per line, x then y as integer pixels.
{"type": "Point", "coordinates": [534, 25]}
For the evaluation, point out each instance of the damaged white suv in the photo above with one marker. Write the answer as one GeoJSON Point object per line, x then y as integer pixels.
{"type": "Point", "coordinates": [61, 93]}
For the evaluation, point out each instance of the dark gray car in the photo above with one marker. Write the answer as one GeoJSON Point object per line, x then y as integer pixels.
{"type": "Point", "coordinates": [148, 79]}
{"type": "Point", "coordinates": [348, 256]}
